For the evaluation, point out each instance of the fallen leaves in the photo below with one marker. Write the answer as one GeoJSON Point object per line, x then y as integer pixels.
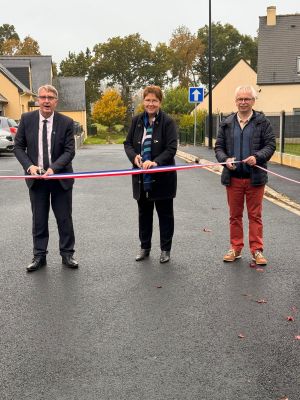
{"type": "Point", "coordinates": [254, 266]}
{"type": "Point", "coordinates": [297, 337]}
{"type": "Point", "coordinates": [261, 301]}
{"type": "Point", "coordinates": [241, 336]}
{"type": "Point", "coordinates": [290, 318]}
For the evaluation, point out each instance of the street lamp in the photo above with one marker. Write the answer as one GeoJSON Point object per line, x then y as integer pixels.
{"type": "Point", "coordinates": [210, 118]}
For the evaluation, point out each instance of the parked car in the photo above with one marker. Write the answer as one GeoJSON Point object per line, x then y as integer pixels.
{"type": "Point", "coordinates": [7, 141]}
{"type": "Point", "coordinates": [9, 125]}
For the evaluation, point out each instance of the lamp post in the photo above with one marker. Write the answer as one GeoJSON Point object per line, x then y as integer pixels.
{"type": "Point", "coordinates": [210, 118]}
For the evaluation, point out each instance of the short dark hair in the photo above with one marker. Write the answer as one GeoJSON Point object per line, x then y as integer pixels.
{"type": "Point", "coordinates": [156, 90]}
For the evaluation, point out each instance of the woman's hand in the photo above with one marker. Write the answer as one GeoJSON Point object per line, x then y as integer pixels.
{"type": "Point", "coordinates": [148, 164]}
{"type": "Point", "coordinates": [138, 161]}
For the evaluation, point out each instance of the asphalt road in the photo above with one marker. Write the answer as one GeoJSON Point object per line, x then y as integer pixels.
{"type": "Point", "coordinates": [117, 329]}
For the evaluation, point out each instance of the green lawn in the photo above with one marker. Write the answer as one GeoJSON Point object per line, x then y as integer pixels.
{"type": "Point", "coordinates": [291, 148]}
{"type": "Point", "coordinates": [105, 137]}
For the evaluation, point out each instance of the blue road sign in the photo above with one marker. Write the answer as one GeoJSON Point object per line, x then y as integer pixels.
{"type": "Point", "coordinates": [196, 94]}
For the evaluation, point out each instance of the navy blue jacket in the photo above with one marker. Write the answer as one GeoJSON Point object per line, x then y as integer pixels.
{"type": "Point", "coordinates": [262, 146]}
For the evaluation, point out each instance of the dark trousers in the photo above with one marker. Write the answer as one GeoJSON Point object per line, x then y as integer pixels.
{"type": "Point", "coordinates": [41, 195]}
{"type": "Point", "coordinates": [165, 214]}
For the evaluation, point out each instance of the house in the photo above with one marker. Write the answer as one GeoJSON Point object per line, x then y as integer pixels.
{"type": "Point", "coordinates": [14, 95]}
{"type": "Point", "coordinates": [31, 72]}
{"type": "Point", "coordinates": [278, 66]}
{"type": "Point", "coordinates": [277, 81]}
{"type": "Point", "coordinates": [223, 92]}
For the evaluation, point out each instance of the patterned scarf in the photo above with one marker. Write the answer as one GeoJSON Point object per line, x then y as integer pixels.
{"type": "Point", "coordinates": [146, 149]}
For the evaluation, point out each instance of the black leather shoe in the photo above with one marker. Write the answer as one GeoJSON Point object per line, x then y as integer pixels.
{"type": "Point", "coordinates": [142, 254]}
{"type": "Point", "coordinates": [164, 256]}
{"type": "Point", "coordinates": [37, 262]}
{"type": "Point", "coordinates": [69, 261]}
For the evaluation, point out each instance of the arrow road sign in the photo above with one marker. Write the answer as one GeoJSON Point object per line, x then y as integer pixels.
{"type": "Point", "coordinates": [196, 94]}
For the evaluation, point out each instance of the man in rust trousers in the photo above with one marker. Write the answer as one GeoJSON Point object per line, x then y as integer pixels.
{"type": "Point", "coordinates": [245, 136]}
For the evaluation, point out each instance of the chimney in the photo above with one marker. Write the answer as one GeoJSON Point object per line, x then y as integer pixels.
{"type": "Point", "coordinates": [271, 16]}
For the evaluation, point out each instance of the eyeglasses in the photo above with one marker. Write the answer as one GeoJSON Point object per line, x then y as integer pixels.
{"type": "Point", "coordinates": [151, 101]}
{"type": "Point", "coordinates": [244, 99]}
{"type": "Point", "coordinates": [50, 98]}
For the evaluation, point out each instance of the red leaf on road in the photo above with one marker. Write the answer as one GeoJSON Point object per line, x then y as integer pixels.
{"type": "Point", "coordinates": [297, 337]}
{"type": "Point", "coordinates": [241, 336]}
{"type": "Point", "coordinates": [206, 230]}
{"type": "Point", "coordinates": [261, 301]}
{"type": "Point", "coordinates": [290, 318]}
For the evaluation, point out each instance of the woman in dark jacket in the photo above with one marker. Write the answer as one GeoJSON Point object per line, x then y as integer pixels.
{"type": "Point", "coordinates": [152, 142]}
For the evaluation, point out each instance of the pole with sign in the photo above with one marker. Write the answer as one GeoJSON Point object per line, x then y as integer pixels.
{"type": "Point", "coordinates": [196, 95]}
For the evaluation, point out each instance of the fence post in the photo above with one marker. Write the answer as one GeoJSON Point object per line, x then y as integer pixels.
{"type": "Point", "coordinates": [281, 134]}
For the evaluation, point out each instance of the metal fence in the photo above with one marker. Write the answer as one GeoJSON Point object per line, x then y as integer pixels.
{"type": "Point", "coordinates": [286, 127]}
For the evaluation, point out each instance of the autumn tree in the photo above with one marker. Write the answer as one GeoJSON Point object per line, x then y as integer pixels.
{"type": "Point", "coordinates": [28, 47]}
{"type": "Point", "coordinates": [228, 47]}
{"type": "Point", "coordinates": [109, 110]}
{"type": "Point", "coordinates": [187, 49]}
{"type": "Point", "coordinates": [11, 45]}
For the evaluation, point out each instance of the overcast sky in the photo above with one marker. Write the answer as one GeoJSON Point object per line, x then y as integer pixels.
{"type": "Point", "coordinates": [61, 26]}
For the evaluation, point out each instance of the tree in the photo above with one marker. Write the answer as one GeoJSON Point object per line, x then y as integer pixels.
{"type": "Point", "coordinates": [7, 32]}
{"type": "Point", "coordinates": [176, 101]}
{"type": "Point", "coordinates": [124, 62]}
{"type": "Point", "coordinates": [76, 64]}
{"type": "Point", "coordinates": [162, 63]}
{"type": "Point", "coordinates": [80, 65]}
{"type": "Point", "coordinates": [187, 49]}
{"type": "Point", "coordinates": [228, 47]}
{"type": "Point", "coordinates": [109, 110]}
{"type": "Point", "coordinates": [28, 47]}
{"type": "Point", "coordinates": [11, 45]}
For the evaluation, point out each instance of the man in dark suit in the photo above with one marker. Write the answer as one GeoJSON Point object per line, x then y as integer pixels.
{"type": "Point", "coordinates": [45, 145]}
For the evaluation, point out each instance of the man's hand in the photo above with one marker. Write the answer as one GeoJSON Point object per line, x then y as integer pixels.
{"type": "Point", "coordinates": [48, 172]}
{"type": "Point", "coordinates": [138, 161]}
{"type": "Point", "coordinates": [34, 170]}
{"type": "Point", "coordinates": [229, 164]}
{"type": "Point", "coordinates": [250, 161]}
{"type": "Point", "coordinates": [148, 164]}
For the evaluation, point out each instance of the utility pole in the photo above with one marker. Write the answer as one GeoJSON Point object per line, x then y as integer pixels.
{"type": "Point", "coordinates": [210, 117]}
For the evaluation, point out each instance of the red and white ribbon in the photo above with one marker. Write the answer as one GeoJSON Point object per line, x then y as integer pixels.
{"type": "Point", "coordinates": [134, 171]}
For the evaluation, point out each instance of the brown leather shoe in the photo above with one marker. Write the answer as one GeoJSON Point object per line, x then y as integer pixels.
{"type": "Point", "coordinates": [259, 258]}
{"type": "Point", "coordinates": [232, 255]}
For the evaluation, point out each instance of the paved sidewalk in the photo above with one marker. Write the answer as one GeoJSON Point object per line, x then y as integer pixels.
{"type": "Point", "coordinates": [278, 187]}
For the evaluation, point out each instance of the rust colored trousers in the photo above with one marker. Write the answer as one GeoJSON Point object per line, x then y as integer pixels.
{"type": "Point", "coordinates": [239, 191]}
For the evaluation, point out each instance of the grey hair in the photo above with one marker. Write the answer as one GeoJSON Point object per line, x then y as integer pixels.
{"type": "Point", "coordinates": [246, 89]}
{"type": "Point", "coordinates": [48, 88]}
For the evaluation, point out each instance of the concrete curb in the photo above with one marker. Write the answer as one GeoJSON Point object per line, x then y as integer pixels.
{"type": "Point", "coordinates": [270, 194]}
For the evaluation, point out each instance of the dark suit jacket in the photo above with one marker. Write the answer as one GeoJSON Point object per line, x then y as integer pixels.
{"type": "Point", "coordinates": [62, 145]}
